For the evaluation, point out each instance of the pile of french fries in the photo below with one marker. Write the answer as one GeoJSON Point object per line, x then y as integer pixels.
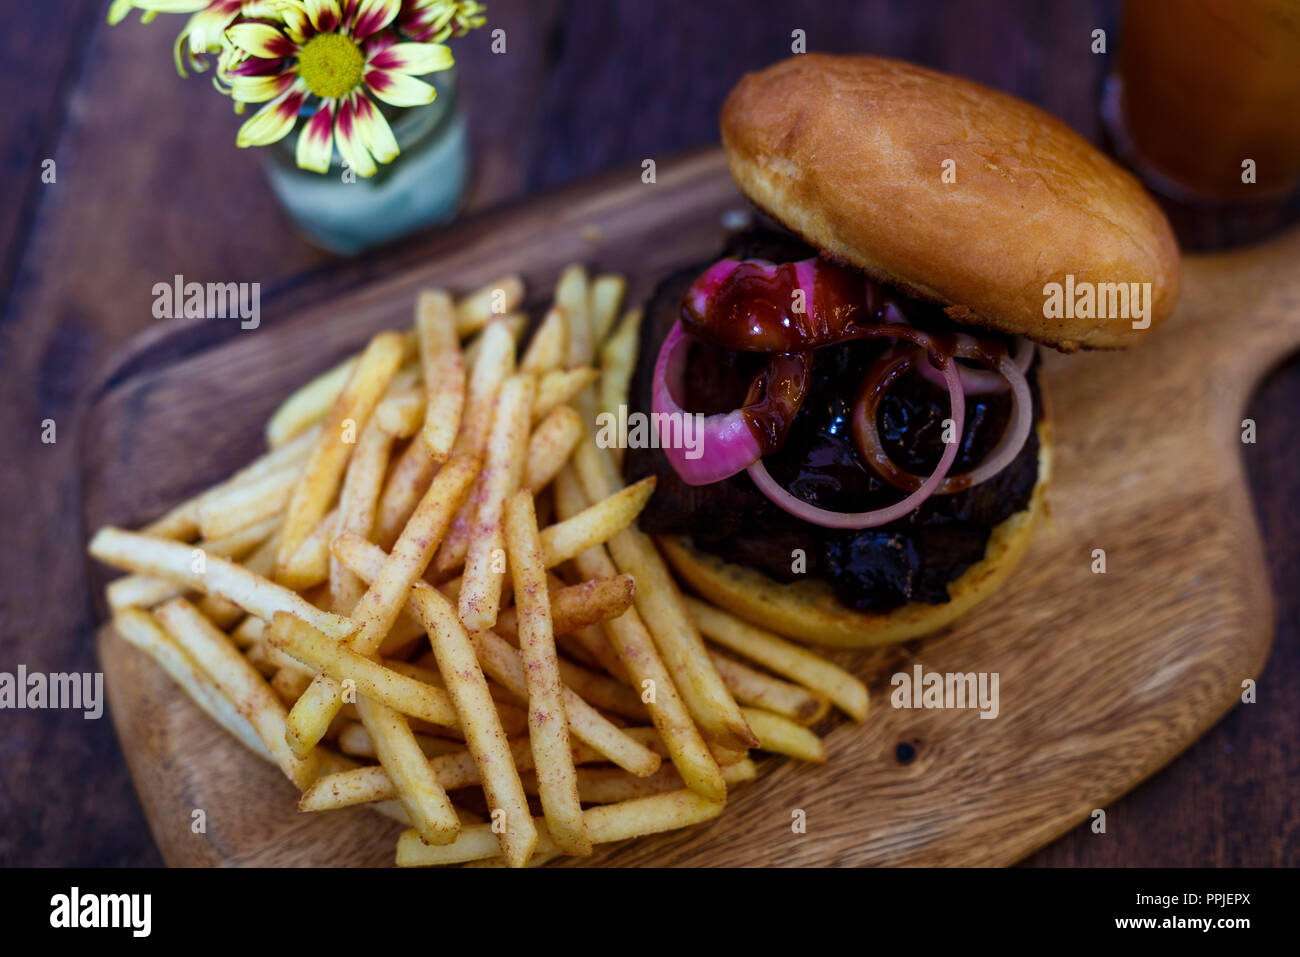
{"type": "Point", "coordinates": [432, 584]}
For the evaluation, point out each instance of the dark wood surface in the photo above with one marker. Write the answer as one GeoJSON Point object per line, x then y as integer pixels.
{"type": "Point", "coordinates": [150, 184]}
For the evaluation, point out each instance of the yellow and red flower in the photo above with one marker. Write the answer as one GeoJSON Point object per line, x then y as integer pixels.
{"type": "Point", "coordinates": [341, 53]}
{"type": "Point", "coordinates": [205, 29]}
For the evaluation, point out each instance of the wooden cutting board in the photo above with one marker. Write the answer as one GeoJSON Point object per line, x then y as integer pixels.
{"type": "Point", "coordinates": [1104, 678]}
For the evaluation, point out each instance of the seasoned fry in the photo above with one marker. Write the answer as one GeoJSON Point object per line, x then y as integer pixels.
{"type": "Point", "coordinates": [781, 657]}
{"type": "Point", "coordinates": [586, 724]}
{"type": "Point", "coordinates": [480, 594]}
{"type": "Point", "coordinates": [401, 413]}
{"type": "Point", "coordinates": [603, 692]}
{"type": "Point", "coordinates": [484, 736]}
{"type": "Point", "coordinates": [141, 629]}
{"type": "Point", "coordinates": [782, 736]}
{"type": "Point", "coordinates": [618, 362]}
{"type": "Point", "coordinates": [177, 562]}
{"type": "Point", "coordinates": [309, 404]}
{"type": "Point", "coordinates": [356, 509]}
{"type": "Point", "coordinates": [378, 609]}
{"type": "Point", "coordinates": [493, 367]}
{"type": "Point", "coordinates": [310, 565]}
{"type": "Point", "coordinates": [495, 299]}
{"type": "Point", "coordinates": [324, 469]}
{"type": "Point", "coordinates": [571, 298]}
{"type": "Point", "coordinates": [607, 823]}
{"type": "Point", "coordinates": [596, 524]}
{"type": "Point", "coordinates": [578, 606]}
{"type": "Point", "coordinates": [635, 647]}
{"type": "Point", "coordinates": [556, 388]}
{"type": "Point", "coordinates": [663, 609]}
{"type": "Point", "coordinates": [549, 345]}
{"type": "Point", "coordinates": [241, 506]}
{"type": "Point", "coordinates": [143, 591]}
{"type": "Point", "coordinates": [548, 730]}
{"type": "Point", "coordinates": [424, 799]}
{"type": "Point", "coordinates": [606, 296]}
{"type": "Point", "coordinates": [756, 689]}
{"type": "Point", "coordinates": [238, 682]}
{"type": "Point", "coordinates": [404, 695]}
{"type": "Point", "coordinates": [550, 446]}
{"type": "Point", "coordinates": [444, 371]}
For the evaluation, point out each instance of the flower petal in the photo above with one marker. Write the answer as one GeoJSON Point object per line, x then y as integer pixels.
{"type": "Point", "coordinates": [413, 58]}
{"type": "Point", "coordinates": [373, 15]}
{"type": "Point", "coordinates": [374, 130]}
{"type": "Point", "coordinates": [348, 138]}
{"type": "Point", "coordinates": [274, 121]}
{"type": "Point", "coordinates": [398, 89]}
{"type": "Point", "coordinates": [261, 40]}
{"type": "Point", "coordinates": [316, 141]}
{"type": "Point", "coordinates": [259, 89]}
{"type": "Point", "coordinates": [325, 14]}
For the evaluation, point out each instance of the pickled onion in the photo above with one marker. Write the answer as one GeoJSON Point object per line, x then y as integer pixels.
{"type": "Point", "coordinates": [808, 512]}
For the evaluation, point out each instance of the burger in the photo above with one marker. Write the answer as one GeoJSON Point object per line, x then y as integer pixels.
{"type": "Point", "coordinates": [862, 366]}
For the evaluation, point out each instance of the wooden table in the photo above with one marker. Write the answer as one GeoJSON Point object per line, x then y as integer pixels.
{"type": "Point", "coordinates": [149, 184]}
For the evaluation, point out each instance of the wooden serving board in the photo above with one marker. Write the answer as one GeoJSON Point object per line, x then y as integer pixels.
{"type": "Point", "coordinates": [1104, 678]}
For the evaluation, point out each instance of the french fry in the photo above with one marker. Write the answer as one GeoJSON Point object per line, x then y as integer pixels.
{"type": "Point", "coordinates": [753, 688]}
{"type": "Point", "coordinates": [401, 412]}
{"type": "Point", "coordinates": [596, 647]}
{"type": "Point", "coordinates": [515, 324]}
{"type": "Point", "coordinates": [557, 387]}
{"type": "Point", "coordinates": [603, 692]}
{"type": "Point", "coordinates": [356, 509]}
{"type": "Point", "coordinates": [484, 736]}
{"type": "Point", "coordinates": [407, 480]}
{"type": "Point", "coordinates": [143, 591]}
{"type": "Point", "coordinates": [549, 344]}
{"type": "Point", "coordinates": [782, 736]}
{"type": "Point", "coordinates": [571, 298]}
{"type": "Point", "coordinates": [354, 739]}
{"type": "Point", "coordinates": [618, 362]}
{"type": "Point", "coordinates": [181, 522]}
{"type": "Point", "coordinates": [141, 629]}
{"type": "Point", "coordinates": [635, 647]}
{"type": "Point", "coordinates": [550, 446]}
{"type": "Point", "coordinates": [309, 404]}
{"type": "Point", "coordinates": [610, 822]}
{"type": "Point", "coordinates": [548, 729]}
{"type": "Point", "coordinates": [596, 524]}
{"type": "Point", "coordinates": [663, 608]}
{"type": "Point", "coordinates": [612, 785]}
{"type": "Point", "coordinates": [324, 469]}
{"type": "Point", "coordinates": [241, 506]}
{"type": "Point", "coordinates": [504, 664]}
{"type": "Point", "coordinates": [444, 371]}
{"type": "Point", "coordinates": [310, 565]}
{"type": "Point", "coordinates": [493, 366]}
{"type": "Point", "coordinates": [781, 657]}
{"type": "Point", "coordinates": [432, 815]}
{"type": "Point", "coordinates": [177, 562]}
{"type": "Point", "coordinates": [495, 299]}
{"type": "Point", "coordinates": [378, 609]}
{"type": "Point", "coordinates": [606, 296]}
{"type": "Point", "coordinates": [581, 605]}
{"type": "Point", "coordinates": [480, 595]}
{"type": "Point", "coordinates": [404, 695]}
{"type": "Point", "coordinates": [238, 682]}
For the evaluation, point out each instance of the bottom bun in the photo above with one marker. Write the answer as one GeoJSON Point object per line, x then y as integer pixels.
{"type": "Point", "coordinates": [810, 612]}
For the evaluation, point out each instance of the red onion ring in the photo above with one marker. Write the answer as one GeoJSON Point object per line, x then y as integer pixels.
{"type": "Point", "coordinates": [867, 434]}
{"type": "Point", "coordinates": [731, 445]}
{"type": "Point", "coordinates": [880, 516]}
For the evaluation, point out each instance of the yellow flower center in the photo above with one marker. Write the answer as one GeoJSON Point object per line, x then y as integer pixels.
{"type": "Point", "coordinates": [331, 65]}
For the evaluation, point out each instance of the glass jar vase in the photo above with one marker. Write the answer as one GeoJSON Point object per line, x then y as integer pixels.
{"type": "Point", "coordinates": [423, 186]}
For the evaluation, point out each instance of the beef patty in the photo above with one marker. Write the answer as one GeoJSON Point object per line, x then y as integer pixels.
{"type": "Point", "coordinates": [875, 569]}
